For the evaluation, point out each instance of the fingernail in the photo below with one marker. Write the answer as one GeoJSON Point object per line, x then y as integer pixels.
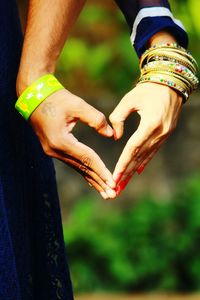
{"type": "Point", "coordinates": [140, 169]}
{"type": "Point", "coordinates": [115, 134]}
{"type": "Point", "coordinates": [111, 193]}
{"type": "Point", "coordinates": [111, 184]}
{"type": "Point", "coordinates": [109, 131]}
{"type": "Point", "coordinates": [117, 190]}
{"type": "Point", "coordinates": [117, 177]}
{"type": "Point", "coordinates": [123, 184]}
{"type": "Point", "coordinates": [104, 195]}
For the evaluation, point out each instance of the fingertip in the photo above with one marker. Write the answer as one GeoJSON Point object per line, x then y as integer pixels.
{"type": "Point", "coordinates": [118, 190]}
{"type": "Point", "coordinates": [117, 177]}
{"type": "Point", "coordinates": [111, 193]}
{"type": "Point", "coordinates": [121, 186]}
{"type": "Point", "coordinates": [117, 133]}
{"type": "Point", "coordinates": [104, 195]}
{"type": "Point", "coordinates": [111, 183]}
{"type": "Point", "coordinates": [109, 131]}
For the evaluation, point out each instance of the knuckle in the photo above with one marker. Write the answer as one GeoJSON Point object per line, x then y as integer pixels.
{"type": "Point", "coordinates": [83, 169]}
{"type": "Point", "coordinates": [86, 161]}
{"type": "Point", "coordinates": [156, 125]}
{"type": "Point", "coordinates": [135, 151]}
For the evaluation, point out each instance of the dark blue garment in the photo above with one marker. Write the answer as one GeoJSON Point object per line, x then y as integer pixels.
{"type": "Point", "coordinates": [32, 254]}
{"type": "Point", "coordinates": [151, 24]}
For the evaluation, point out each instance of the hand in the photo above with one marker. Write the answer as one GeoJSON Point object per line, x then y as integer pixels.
{"type": "Point", "coordinates": [159, 107]}
{"type": "Point", "coordinates": [53, 121]}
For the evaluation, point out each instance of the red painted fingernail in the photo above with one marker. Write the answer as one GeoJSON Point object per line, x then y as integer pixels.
{"type": "Point", "coordinates": [117, 190]}
{"type": "Point", "coordinates": [115, 134]}
{"type": "Point", "coordinates": [119, 176]}
{"type": "Point", "coordinates": [122, 185]}
{"type": "Point", "coordinates": [140, 169]}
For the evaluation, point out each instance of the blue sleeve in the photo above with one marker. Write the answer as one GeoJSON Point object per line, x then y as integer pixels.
{"type": "Point", "coordinates": [147, 17]}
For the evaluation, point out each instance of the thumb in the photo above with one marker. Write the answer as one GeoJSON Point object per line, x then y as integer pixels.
{"type": "Point", "coordinates": [95, 119]}
{"type": "Point", "coordinates": [118, 116]}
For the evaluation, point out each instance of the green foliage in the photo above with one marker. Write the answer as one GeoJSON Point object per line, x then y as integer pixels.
{"type": "Point", "coordinates": [153, 245]}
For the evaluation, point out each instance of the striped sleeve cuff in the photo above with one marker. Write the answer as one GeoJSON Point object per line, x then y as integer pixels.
{"type": "Point", "coordinates": [152, 20]}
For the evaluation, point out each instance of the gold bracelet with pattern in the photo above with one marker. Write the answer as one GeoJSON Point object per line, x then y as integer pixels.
{"type": "Point", "coordinates": [172, 65]}
{"type": "Point", "coordinates": [176, 58]}
{"type": "Point", "coordinates": [173, 76]}
{"type": "Point", "coordinates": [174, 68]}
{"type": "Point", "coordinates": [174, 83]}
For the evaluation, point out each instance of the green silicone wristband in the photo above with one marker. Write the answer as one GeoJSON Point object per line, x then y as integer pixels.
{"type": "Point", "coordinates": [36, 93]}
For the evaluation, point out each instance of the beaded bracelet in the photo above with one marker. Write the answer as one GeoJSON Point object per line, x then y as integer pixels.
{"type": "Point", "coordinates": [177, 58]}
{"type": "Point", "coordinates": [172, 47]}
{"type": "Point", "coordinates": [166, 45]}
{"type": "Point", "coordinates": [172, 65]}
{"type": "Point", "coordinates": [174, 68]}
{"type": "Point", "coordinates": [173, 77]}
{"type": "Point", "coordinates": [36, 93]}
{"type": "Point", "coordinates": [168, 81]}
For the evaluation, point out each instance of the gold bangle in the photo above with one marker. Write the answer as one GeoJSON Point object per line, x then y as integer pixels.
{"type": "Point", "coordinates": [175, 51]}
{"type": "Point", "coordinates": [174, 58]}
{"type": "Point", "coordinates": [170, 47]}
{"type": "Point", "coordinates": [172, 65]}
{"type": "Point", "coordinates": [174, 76]}
{"type": "Point", "coordinates": [167, 81]}
{"type": "Point", "coordinates": [173, 68]}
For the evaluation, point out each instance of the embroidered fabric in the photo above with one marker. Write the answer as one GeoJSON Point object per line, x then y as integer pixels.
{"type": "Point", "coordinates": [33, 261]}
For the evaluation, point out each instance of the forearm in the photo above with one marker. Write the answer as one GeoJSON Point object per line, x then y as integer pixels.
{"type": "Point", "coordinates": [48, 25]}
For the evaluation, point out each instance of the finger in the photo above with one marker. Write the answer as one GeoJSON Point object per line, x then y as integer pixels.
{"type": "Point", "coordinates": [86, 157]}
{"type": "Point", "coordinates": [119, 115]}
{"type": "Point", "coordinates": [138, 163]}
{"type": "Point", "coordinates": [148, 159]}
{"type": "Point", "coordinates": [133, 149]}
{"type": "Point", "coordinates": [121, 186]}
{"type": "Point", "coordinates": [87, 173]}
{"type": "Point", "coordinates": [94, 118]}
{"type": "Point", "coordinates": [98, 188]}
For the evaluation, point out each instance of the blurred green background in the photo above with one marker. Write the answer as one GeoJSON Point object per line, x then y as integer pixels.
{"type": "Point", "coordinates": [149, 238]}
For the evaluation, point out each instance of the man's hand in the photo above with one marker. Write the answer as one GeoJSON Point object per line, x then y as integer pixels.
{"type": "Point", "coordinates": [53, 121]}
{"type": "Point", "coordinates": [159, 107]}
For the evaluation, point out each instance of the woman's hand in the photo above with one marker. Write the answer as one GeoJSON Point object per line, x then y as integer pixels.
{"type": "Point", "coordinates": [159, 107]}
{"type": "Point", "coordinates": [53, 121]}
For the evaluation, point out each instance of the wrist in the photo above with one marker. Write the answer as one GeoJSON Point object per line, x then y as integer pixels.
{"type": "Point", "coordinates": [36, 93]}
{"type": "Point", "coordinates": [30, 72]}
{"type": "Point", "coordinates": [161, 37]}
{"type": "Point", "coordinates": [26, 77]}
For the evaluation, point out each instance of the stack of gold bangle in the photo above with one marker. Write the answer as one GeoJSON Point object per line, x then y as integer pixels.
{"type": "Point", "coordinates": [172, 65]}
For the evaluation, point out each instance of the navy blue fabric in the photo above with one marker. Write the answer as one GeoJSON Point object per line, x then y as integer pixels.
{"type": "Point", "coordinates": [130, 8]}
{"type": "Point", "coordinates": [33, 262]}
{"type": "Point", "coordinates": [150, 25]}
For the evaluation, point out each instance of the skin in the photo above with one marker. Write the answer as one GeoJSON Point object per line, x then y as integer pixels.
{"type": "Point", "coordinates": [159, 108]}
{"type": "Point", "coordinates": [55, 118]}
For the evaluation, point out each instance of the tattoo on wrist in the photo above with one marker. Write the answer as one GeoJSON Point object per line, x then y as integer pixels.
{"type": "Point", "coordinates": [49, 109]}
